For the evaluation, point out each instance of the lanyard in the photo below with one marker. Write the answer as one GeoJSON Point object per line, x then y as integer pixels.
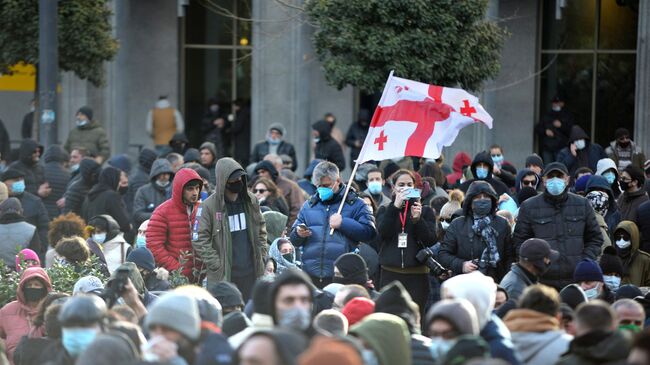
{"type": "Point", "coordinates": [402, 217]}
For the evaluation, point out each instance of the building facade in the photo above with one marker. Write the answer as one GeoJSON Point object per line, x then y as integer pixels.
{"type": "Point", "coordinates": [593, 52]}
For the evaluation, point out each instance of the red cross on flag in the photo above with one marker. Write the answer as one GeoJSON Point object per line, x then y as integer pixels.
{"type": "Point", "coordinates": [416, 119]}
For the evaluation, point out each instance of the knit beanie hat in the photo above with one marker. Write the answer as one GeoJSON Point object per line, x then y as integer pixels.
{"type": "Point", "coordinates": [120, 162]}
{"type": "Point", "coordinates": [581, 183]}
{"type": "Point", "coordinates": [142, 258]}
{"type": "Point", "coordinates": [11, 206]}
{"type": "Point", "coordinates": [357, 309]}
{"type": "Point", "coordinates": [353, 268]}
{"type": "Point", "coordinates": [146, 158]}
{"type": "Point", "coordinates": [12, 173]}
{"type": "Point", "coordinates": [534, 159]}
{"type": "Point", "coordinates": [235, 322]}
{"type": "Point", "coordinates": [4, 192]}
{"type": "Point", "coordinates": [227, 294]}
{"type": "Point", "coordinates": [628, 291]}
{"type": "Point", "coordinates": [328, 351]}
{"type": "Point", "coordinates": [396, 300]}
{"type": "Point", "coordinates": [610, 262]}
{"type": "Point", "coordinates": [262, 296]}
{"type": "Point", "coordinates": [24, 255]}
{"type": "Point", "coordinates": [587, 270]}
{"type": "Point", "coordinates": [572, 295]}
{"type": "Point", "coordinates": [192, 155]}
{"type": "Point", "coordinates": [178, 312]}
{"type": "Point", "coordinates": [478, 289]}
{"type": "Point", "coordinates": [87, 111]}
{"type": "Point", "coordinates": [455, 202]}
{"type": "Point", "coordinates": [458, 312]}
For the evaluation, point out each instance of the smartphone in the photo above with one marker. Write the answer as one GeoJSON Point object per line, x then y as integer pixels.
{"type": "Point", "coordinates": [303, 226]}
{"type": "Point", "coordinates": [413, 193]}
{"type": "Point", "coordinates": [121, 279]}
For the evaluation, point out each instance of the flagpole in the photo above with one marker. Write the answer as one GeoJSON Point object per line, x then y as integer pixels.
{"type": "Point", "coordinates": [361, 153]}
{"type": "Point", "coordinates": [347, 190]}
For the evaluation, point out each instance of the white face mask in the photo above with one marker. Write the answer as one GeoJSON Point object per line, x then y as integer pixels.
{"type": "Point", "coordinates": [580, 143]}
{"type": "Point", "coordinates": [623, 244]}
{"type": "Point", "coordinates": [556, 108]}
{"type": "Point", "coordinates": [444, 225]}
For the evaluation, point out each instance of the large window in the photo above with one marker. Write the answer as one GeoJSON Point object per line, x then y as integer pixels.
{"type": "Point", "coordinates": [216, 57]}
{"type": "Point", "coordinates": [588, 55]}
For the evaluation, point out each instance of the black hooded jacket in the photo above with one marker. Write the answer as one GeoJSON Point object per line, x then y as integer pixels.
{"type": "Point", "coordinates": [139, 176]}
{"type": "Point", "coordinates": [103, 198]}
{"type": "Point", "coordinates": [586, 157]}
{"type": "Point", "coordinates": [34, 173]}
{"type": "Point", "coordinates": [327, 148]}
{"type": "Point", "coordinates": [76, 192]}
{"type": "Point", "coordinates": [57, 177]}
{"type": "Point", "coordinates": [462, 244]}
{"type": "Point", "coordinates": [498, 186]}
{"type": "Point", "coordinates": [357, 132]}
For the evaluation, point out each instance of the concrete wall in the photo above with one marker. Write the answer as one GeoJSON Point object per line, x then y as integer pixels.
{"type": "Point", "coordinates": [13, 107]}
{"type": "Point", "coordinates": [510, 97]}
{"type": "Point", "coordinates": [287, 82]}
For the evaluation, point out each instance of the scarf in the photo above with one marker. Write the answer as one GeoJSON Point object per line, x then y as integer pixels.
{"type": "Point", "coordinates": [488, 236]}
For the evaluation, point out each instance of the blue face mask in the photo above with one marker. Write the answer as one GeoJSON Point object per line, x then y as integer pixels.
{"type": "Point", "coordinates": [18, 187]}
{"type": "Point", "coordinates": [76, 340]}
{"type": "Point", "coordinates": [612, 282]}
{"type": "Point", "coordinates": [324, 193]}
{"type": "Point", "coordinates": [497, 159]}
{"type": "Point", "coordinates": [374, 187]}
{"type": "Point", "coordinates": [140, 241]}
{"type": "Point", "coordinates": [555, 186]}
{"type": "Point", "coordinates": [481, 173]}
{"type": "Point", "coordinates": [610, 176]}
{"type": "Point", "coordinates": [592, 293]}
{"type": "Point", "coordinates": [99, 237]}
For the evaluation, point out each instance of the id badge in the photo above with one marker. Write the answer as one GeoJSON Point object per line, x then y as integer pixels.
{"type": "Point", "coordinates": [401, 240]}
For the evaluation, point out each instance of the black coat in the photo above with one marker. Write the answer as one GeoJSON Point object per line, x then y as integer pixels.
{"type": "Point", "coordinates": [103, 198]}
{"type": "Point", "coordinates": [568, 223]}
{"type": "Point", "coordinates": [35, 214]}
{"type": "Point", "coordinates": [241, 135]}
{"type": "Point", "coordinates": [462, 244]}
{"type": "Point", "coordinates": [34, 174]}
{"type": "Point", "coordinates": [561, 135]}
{"type": "Point", "coordinates": [419, 235]}
{"type": "Point", "coordinates": [328, 148]}
{"type": "Point", "coordinates": [5, 143]}
{"type": "Point", "coordinates": [643, 221]}
{"type": "Point", "coordinates": [138, 178]}
{"type": "Point", "coordinates": [77, 190]}
{"type": "Point", "coordinates": [284, 148]}
{"type": "Point", "coordinates": [357, 132]}
{"type": "Point", "coordinates": [57, 177]}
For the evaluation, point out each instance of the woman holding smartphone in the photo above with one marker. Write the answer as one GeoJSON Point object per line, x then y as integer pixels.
{"type": "Point", "coordinates": [405, 227]}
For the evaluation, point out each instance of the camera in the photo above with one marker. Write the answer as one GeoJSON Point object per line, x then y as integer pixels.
{"type": "Point", "coordinates": [425, 256]}
{"type": "Point", "coordinates": [115, 288]}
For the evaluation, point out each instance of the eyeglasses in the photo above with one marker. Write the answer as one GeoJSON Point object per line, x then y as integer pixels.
{"type": "Point", "coordinates": [260, 191]}
{"type": "Point", "coordinates": [528, 182]}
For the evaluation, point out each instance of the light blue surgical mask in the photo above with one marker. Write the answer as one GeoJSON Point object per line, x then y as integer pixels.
{"type": "Point", "coordinates": [612, 282]}
{"type": "Point", "coordinates": [610, 176]}
{"type": "Point", "coordinates": [481, 173]}
{"type": "Point", "coordinates": [74, 167]}
{"type": "Point", "coordinates": [75, 340]}
{"type": "Point", "coordinates": [497, 159]}
{"type": "Point", "coordinates": [99, 237]}
{"type": "Point", "coordinates": [325, 193]}
{"type": "Point", "coordinates": [440, 347]}
{"type": "Point", "coordinates": [592, 293]}
{"type": "Point", "coordinates": [555, 186]}
{"type": "Point", "coordinates": [369, 357]}
{"type": "Point", "coordinates": [273, 141]}
{"type": "Point", "coordinates": [18, 187]}
{"type": "Point", "coordinates": [81, 123]}
{"type": "Point", "coordinates": [374, 187]}
{"type": "Point", "coordinates": [140, 241]}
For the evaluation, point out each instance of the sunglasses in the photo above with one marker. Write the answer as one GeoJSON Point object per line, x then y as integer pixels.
{"type": "Point", "coordinates": [528, 182]}
{"type": "Point", "coordinates": [260, 191]}
{"type": "Point", "coordinates": [447, 220]}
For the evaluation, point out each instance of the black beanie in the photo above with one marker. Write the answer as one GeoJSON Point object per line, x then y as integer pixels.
{"type": "Point", "coordinates": [262, 296]}
{"type": "Point", "coordinates": [610, 263]}
{"type": "Point", "coordinates": [87, 111]}
{"type": "Point", "coordinates": [395, 299]}
{"type": "Point", "coordinates": [390, 169]}
{"type": "Point", "coordinates": [572, 295]}
{"type": "Point", "coordinates": [534, 159]}
{"type": "Point", "coordinates": [235, 322]}
{"type": "Point", "coordinates": [353, 268]}
{"type": "Point", "coordinates": [628, 291]}
{"type": "Point", "coordinates": [146, 158]}
{"type": "Point", "coordinates": [227, 294]}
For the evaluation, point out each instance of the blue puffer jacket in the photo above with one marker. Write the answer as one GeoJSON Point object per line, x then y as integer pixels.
{"type": "Point", "coordinates": [321, 249]}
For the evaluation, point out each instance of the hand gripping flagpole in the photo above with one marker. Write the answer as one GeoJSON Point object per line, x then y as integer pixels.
{"type": "Point", "coordinates": [356, 163]}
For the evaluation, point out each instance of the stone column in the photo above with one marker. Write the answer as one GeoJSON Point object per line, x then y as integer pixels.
{"type": "Point", "coordinates": [642, 90]}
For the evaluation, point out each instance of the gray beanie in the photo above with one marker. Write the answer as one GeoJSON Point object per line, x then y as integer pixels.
{"type": "Point", "coordinates": [458, 312]}
{"type": "Point", "coordinates": [178, 312]}
{"type": "Point", "coordinates": [455, 202]}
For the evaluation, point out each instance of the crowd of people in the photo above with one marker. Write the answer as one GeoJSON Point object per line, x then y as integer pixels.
{"type": "Point", "coordinates": [417, 262]}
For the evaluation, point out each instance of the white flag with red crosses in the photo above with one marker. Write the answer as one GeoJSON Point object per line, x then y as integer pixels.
{"type": "Point", "coordinates": [416, 119]}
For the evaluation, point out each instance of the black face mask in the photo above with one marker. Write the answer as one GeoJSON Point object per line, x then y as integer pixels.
{"type": "Point", "coordinates": [481, 207]}
{"type": "Point", "coordinates": [541, 267]}
{"type": "Point", "coordinates": [624, 144]}
{"type": "Point", "coordinates": [122, 189]}
{"type": "Point", "coordinates": [235, 187]}
{"type": "Point", "coordinates": [624, 185]}
{"type": "Point", "coordinates": [288, 257]}
{"type": "Point", "coordinates": [34, 294]}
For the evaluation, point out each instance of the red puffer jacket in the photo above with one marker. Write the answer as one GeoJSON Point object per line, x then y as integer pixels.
{"type": "Point", "coordinates": [168, 233]}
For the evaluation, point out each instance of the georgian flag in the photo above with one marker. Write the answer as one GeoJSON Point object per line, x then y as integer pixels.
{"type": "Point", "coordinates": [416, 119]}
